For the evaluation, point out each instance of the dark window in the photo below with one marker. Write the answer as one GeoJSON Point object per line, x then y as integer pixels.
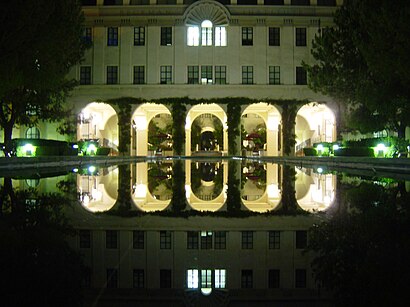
{"type": "Point", "coordinates": [220, 74]}
{"type": "Point", "coordinates": [138, 238]}
{"type": "Point", "coordinates": [166, 74]}
{"type": "Point", "coordinates": [88, 2]}
{"type": "Point", "coordinates": [206, 240]}
{"type": "Point", "coordinates": [301, 76]}
{"type": "Point", "coordinates": [300, 37]}
{"type": "Point", "coordinates": [300, 2]}
{"type": "Point", "coordinates": [274, 36]}
{"type": "Point", "coordinates": [192, 240]}
{"type": "Point", "coordinates": [165, 278]}
{"type": "Point", "coordinates": [112, 278]}
{"type": "Point", "coordinates": [112, 74]}
{"type": "Point", "coordinates": [247, 74]}
{"type": "Point", "coordinates": [165, 239]}
{"type": "Point", "coordinates": [85, 75]}
{"type": "Point", "coordinates": [139, 74]}
{"type": "Point", "coordinates": [274, 74]}
{"type": "Point", "coordinates": [166, 36]}
{"type": "Point", "coordinates": [247, 2]}
{"type": "Point", "coordinates": [139, 36]}
{"type": "Point", "coordinates": [32, 133]}
{"type": "Point", "coordinates": [193, 74]}
{"type": "Point", "coordinates": [274, 278]}
{"type": "Point", "coordinates": [246, 279]}
{"type": "Point", "coordinates": [112, 36]}
{"type": "Point", "coordinates": [111, 239]}
{"type": "Point", "coordinates": [274, 239]}
{"type": "Point", "coordinates": [326, 2]}
{"type": "Point", "coordinates": [139, 2]}
{"type": "Point", "coordinates": [112, 2]}
{"type": "Point", "coordinates": [247, 36]}
{"type": "Point", "coordinates": [273, 2]}
{"type": "Point", "coordinates": [247, 239]}
{"type": "Point", "coordinates": [85, 238]}
{"type": "Point", "coordinates": [87, 35]}
{"type": "Point", "coordinates": [166, 1]}
{"type": "Point", "coordinates": [300, 278]}
{"type": "Point", "coordinates": [206, 74]}
{"type": "Point", "coordinates": [220, 240]}
{"type": "Point", "coordinates": [86, 278]}
{"type": "Point", "coordinates": [138, 278]}
{"type": "Point", "coordinates": [301, 239]}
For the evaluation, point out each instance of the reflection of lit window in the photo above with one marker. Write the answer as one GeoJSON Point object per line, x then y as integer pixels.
{"type": "Point", "coordinates": [192, 279]}
{"type": "Point", "coordinates": [206, 240]}
{"type": "Point", "coordinates": [32, 133]}
{"type": "Point", "coordinates": [32, 183]}
{"type": "Point", "coordinates": [206, 278]}
{"type": "Point", "coordinates": [220, 278]}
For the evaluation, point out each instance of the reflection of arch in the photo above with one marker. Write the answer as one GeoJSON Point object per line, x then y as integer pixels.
{"type": "Point", "coordinates": [271, 117]}
{"type": "Point", "coordinates": [140, 121]}
{"type": "Point", "coordinates": [98, 121]}
{"type": "Point", "coordinates": [98, 192]}
{"type": "Point", "coordinates": [198, 110]}
{"type": "Point", "coordinates": [32, 133]}
{"type": "Point", "coordinates": [314, 123]}
{"type": "Point", "coordinates": [314, 192]}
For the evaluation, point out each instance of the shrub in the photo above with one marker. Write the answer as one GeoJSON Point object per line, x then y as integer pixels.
{"type": "Point", "coordinates": [309, 152]}
{"type": "Point", "coordinates": [355, 152]}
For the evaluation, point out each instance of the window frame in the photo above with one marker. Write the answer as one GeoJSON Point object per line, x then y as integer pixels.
{"type": "Point", "coordinates": [138, 278]}
{"type": "Point", "coordinates": [85, 75]}
{"type": "Point", "coordinates": [247, 75]}
{"type": "Point", "coordinates": [274, 75]}
{"type": "Point", "coordinates": [112, 74]}
{"type": "Point", "coordinates": [206, 74]}
{"type": "Point", "coordinates": [193, 74]}
{"type": "Point", "coordinates": [139, 74]}
{"type": "Point", "coordinates": [274, 36]}
{"type": "Point", "coordinates": [300, 37]}
{"type": "Point", "coordinates": [84, 237]}
{"type": "Point", "coordinates": [112, 36]}
{"type": "Point", "coordinates": [192, 240]}
{"type": "Point", "coordinates": [111, 239]}
{"type": "Point", "coordinates": [166, 36]}
{"type": "Point", "coordinates": [165, 239]}
{"type": "Point", "coordinates": [247, 36]}
{"type": "Point", "coordinates": [139, 36]}
{"type": "Point", "coordinates": [274, 239]}
{"type": "Point", "coordinates": [301, 76]}
{"type": "Point", "coordinates": [247, 239]}
{"type": "Point", "coordinates": [165, 74]}
{"type": "Point", "coordinates": [138, 239]}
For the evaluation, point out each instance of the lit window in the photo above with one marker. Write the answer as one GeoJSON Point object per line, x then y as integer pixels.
{"type": "Point", "coordinates": [220, 36]}
{"type": "Point", "coordinates": [206, 33]}
{"type": "Point", "coordinates": [193, 36]}
{"type": "Point", "coordinates": [220, 278]}
{"type": "Point", "coordinates": [192, 279]}
{"type": "Point", "coordinates": [206, 74]}
{"type": "Point", "coordinates": [206, 278]}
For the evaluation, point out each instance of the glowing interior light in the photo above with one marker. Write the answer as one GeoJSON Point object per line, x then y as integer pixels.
{"type": "Point", "coordinates": [319, 170]}
{"type": "Point", "coordinates": [75, 170]}
{"type": "Point", "coordinates": [91, 169]}
{"type": "Point", "coordinates": [75, 146]}
{"type": "Point", "coordinates": [381, 147]}
{"type": "Point", "coordinates": [28, 149]}
{"type": "Point", "coordinates": [319, 147]}
{"type": "Point", "coordinates": [91, 148]}
{"type": "Point", "coordinates": [335, 147]}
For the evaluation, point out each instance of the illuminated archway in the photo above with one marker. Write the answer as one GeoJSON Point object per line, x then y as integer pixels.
{"type": "Point", "coordinates": [206, 111]}
{"type": "Point", "coordinates": [314, 123]}
{"type": "Point", "coordinates": [99, 122]}
{"type": "Point", "coordinates": [261, 123]}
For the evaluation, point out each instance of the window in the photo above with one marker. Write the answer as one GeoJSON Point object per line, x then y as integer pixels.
{"type": "Point", "coordinates": [301, 76]}
{"type": "Point", "coordinates": [273, 2]}
{"type": "Point", "coordinates": [85, 238]}
{"type": "Point", "coordinates": [220, 36]}
{"type": "Point", "coordinates": [165, 278]}
{"type": "Point", "coordinates": [301, 239]}
{"type": "Point", "coordinates": [139, 74]}
{"type": "Point", "coordinates": [274, 278]}
{"type": "Point", "coordinates": [274, 74]}
{"type": "Point", "coordinates": [247, 239]}
{"type": "Point", "coordinates": [139, 36]}
{"type": "Point", "coordinates": [85, 75]}
{"type": "Point", "coordinates": [138, 278]}
{"type": "Point", "coordinates": [165, 240]}
{"type": "Point", "coordinates": [192, 240]}
{"type": "Point", "coordinates": [300, 2]}
{"type": "Point", "coordinates": [206, 240]}
{"type": "Point", "coordinates": [220, 278]}
{"type": "Point", "coordinates": [326, 2]}
{"type": "Point", "coordinates": [206, 74]}
{"type": "Point", "coordinates": [220, 74]}
{"type": "Point", "coordinates": [193, 36]}
{"type": "Point", "coordinates": [138, 238]}
{"type": "Point", "coordinates": [112, 74]}
{"type": "Point", "coordinates": [87, 35]}
{"type": "Point", "coordinates": [300, 37]}
{"type": "Point", "coordinates": [274, 36]}
{"type": "Point", "coordinates": [112, 36]}
{"type": "Point", "coordinates": [206, 278]}
{"type": "Point", "coordinates": [274, 239]}
{"type": "Point", "coordinates": [193, 74]}
{"type": "Point", "coordinates": [112, 2]}
{"type": "Point", "coordinates": [206, 33]}
{"type": "Point", "coordinates": [111, 239]}
{"type": "Point", "coordinates": [220, 240]}
{"type": "Point", "coordinates": [112, 278]}
{"type": "Point", "coordinates": [192, 279]}
{"type": "Point", "coordinates": [247, 74]}
{"type": "Point", "coordinates": [88, 2]}
{"type": "Point", "coordinates": [246, 279]}
{"type": "Point", "coordinates": [166, 74]}
{"type": "Point", "coordinates": [247, 2]}
{"type": "Point", "coordinates": [32, 133]}
{"type": "Point", "coordinates": [247, 36]}
{"type": "Point", "coordinates": [300, 278]}
{"type": "Point", "coordinates": [166, 36]}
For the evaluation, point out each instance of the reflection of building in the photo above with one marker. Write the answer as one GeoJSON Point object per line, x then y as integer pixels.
{"type": "Point", "coordinates": [207, 50]}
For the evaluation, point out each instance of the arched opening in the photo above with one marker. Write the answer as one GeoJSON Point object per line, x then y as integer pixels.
{"type": "Point", "coordinates": [260, 130]}
{"type": "Point", "coordinates": [315, 123]}
{"type": "Point", "coordinates": [97, 127]}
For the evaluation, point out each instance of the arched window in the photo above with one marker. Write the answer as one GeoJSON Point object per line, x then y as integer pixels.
{"type": "Point", "coordinates": [32, 133]}
{"type": "Point", "coordinates": [206, 33]}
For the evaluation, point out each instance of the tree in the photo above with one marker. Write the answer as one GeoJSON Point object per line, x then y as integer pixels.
{"type": "Point", "coordinates": [40, 41]}
{"type": "Point", "coordinates": [363, 61]}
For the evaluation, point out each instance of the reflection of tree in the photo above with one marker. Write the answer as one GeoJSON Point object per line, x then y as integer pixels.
{"type": "Point", "coordinates": [233, 195]}
{"type": "Point", "coordinates": [256, 173]}
{"type": "Point", "coordinates": [159, 174]}
{"type": "Point", "coordinates": [37, 265]}
{"type": "Point", "coordinates": [159, 137]}
{"type": "Point", "coordinates": [362, 255]}
{"type": "Point", "coordinates": [178, 201]}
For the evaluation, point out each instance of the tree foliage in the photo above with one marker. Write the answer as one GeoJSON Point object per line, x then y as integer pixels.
{"type": "Point", "coordinates": [363, 61]}
{"type": "Point", "coordinates": [40, 41]}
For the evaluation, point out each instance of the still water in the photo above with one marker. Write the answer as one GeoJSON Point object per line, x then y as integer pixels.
{"type": "Point", "coordinates": [203, 233]}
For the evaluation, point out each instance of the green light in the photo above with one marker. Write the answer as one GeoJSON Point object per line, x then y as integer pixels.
{"type": "Point", "coordinates": [380, 147]}
{"type": "Point", "coordinates": [320, 147]}
{"type": "Point", "coordinates": [91, 149]}
{"type": "Point", "coordinates": [28, 150]}
{"type": "Point", "coordinates": [335, 147]}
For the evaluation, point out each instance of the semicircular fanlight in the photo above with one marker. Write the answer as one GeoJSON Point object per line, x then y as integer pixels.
{"type": "Point", "coordinates": [206, 10]}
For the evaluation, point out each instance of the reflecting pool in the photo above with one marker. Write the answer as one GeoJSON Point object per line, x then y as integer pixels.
{"type": "Point", "coordinates": [213, 232]}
